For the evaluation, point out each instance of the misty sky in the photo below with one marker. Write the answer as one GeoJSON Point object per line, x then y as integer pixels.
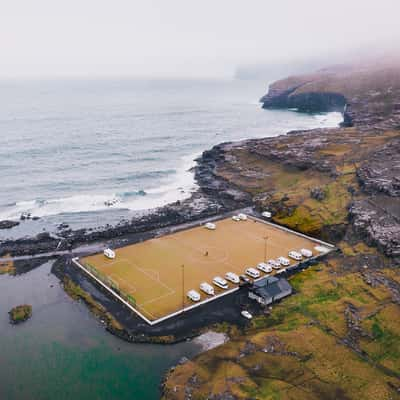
{"type": "Point", "coordinates": [183, 38]}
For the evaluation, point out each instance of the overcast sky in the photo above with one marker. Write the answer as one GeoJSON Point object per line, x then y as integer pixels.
{"type": "Point", "coordinates": [183, 38]}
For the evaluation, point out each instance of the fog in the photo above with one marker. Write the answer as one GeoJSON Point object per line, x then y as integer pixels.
{"type": "Point", "coordinates": [186, 38]}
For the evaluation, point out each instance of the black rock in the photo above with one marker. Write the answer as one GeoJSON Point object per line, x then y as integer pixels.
{"type": "Point", "coordinates": [8, 224]}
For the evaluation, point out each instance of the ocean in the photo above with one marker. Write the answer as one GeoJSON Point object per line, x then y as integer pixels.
{"type": "Point", "coordinates": [88, 152]}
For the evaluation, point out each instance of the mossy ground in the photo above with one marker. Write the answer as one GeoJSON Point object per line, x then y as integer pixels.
{"type": "Point", "coordinates": [6, 267]}
{"type": "Point", "coordinates": [77, 293]}
{"type": "Point", "coordinates": [308, 358]}
{"type": "Point", "coordinates": [20, 313]}
{"type": "Point", "coordinates": [338, 336]}
{"type": "Point", "coordinates": [287, 190]}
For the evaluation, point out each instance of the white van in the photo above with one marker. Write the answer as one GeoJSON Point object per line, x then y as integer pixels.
{"type": "Point", "coordinates": [252, 272]}
{"type": "Point", "coordinates": [207, 288]}
{"type": "Point", "coordinates": [211, 226]}
{"type": "Point", "coordinates": [109, 253]}
{"type": "Point", "coordinates": [242, 217]}
{"type": "Point", "coordinates": [220, 282]}
{"type": "Point", "coordinates": [193, 295]}
{"type": "Point", "coordinates": [275, 264]}
{"type": "Point", "coordinates": [264, 267]}
{"type": "Point", "coordinates": [295, 255]}
{"type": "Point", "coordinates": [283, 261]}
{"type": "Point", "coordinates": [232, 277]}
{"type": "Point", "coordinates": [306, 253]}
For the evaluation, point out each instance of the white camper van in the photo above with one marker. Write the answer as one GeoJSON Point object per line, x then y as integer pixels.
{"type": "Point", "coordinates": [211, 226]}
{"type": "Point", "coordinates": [207, 288]}
{"type": "Point", "coordinates": [306, 253]}
{"type": "Point", "coordinates": [193, 295]}
{"type": "Point", "coordinates": [220, 282]}
{"type": "Point", "coordinates": [267, 268]}
{"type": "Point", "coordinates": [232, 277]}
{"type": "Point", "coordinates": [275, 264]}
{"type": "Point", "coordinates": [242, 217]}
{"type": "Point", "coordinates": [253, 272]}
{"type": "Point", "coordinates": [109, 253]}
{"type": "Point", "coordinates": [283, 261]}
{"type": "Point", "coordinates": [295, 255]}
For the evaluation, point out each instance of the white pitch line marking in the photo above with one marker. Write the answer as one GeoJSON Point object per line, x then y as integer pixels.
{"type": "Point", "coordinates": [132, 287]}
{"type": "Point", "coordinates": [158, 298]}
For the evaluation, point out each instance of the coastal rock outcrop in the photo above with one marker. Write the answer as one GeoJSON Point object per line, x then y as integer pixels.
{"type": "Point", "coordinates": [377, 221]}
{"type": "Point", "coordinates": [368, 96]}
{"type": "Point", "coordinates": [381, 172]}
{"type": "Point", "coordinates": [8, 224]}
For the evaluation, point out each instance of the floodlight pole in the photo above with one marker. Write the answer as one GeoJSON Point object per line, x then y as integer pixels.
{"type": "Point", "coordinates": [183, 287]}
{"type": "Point", "coordinates": [265, 248]}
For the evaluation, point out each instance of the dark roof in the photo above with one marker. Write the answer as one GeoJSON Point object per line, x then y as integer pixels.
{"type": "Point", "coordinates": [270, 287]}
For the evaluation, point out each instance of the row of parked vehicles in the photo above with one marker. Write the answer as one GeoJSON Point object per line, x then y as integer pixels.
{"type": "Point", "coordinates": [250, 272]}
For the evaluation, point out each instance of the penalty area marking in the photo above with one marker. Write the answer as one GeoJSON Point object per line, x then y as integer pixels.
{"type": "Point", "coordinates": [132, 287]}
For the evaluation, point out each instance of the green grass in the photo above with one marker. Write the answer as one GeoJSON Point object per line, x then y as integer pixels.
{"type": "Point", "coordinates": [20, 313]}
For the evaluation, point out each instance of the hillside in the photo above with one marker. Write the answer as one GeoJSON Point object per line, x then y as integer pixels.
{"type": "Point", "coordinates": [370, 93]}
{"type": "Point", "coordinates": [338, 336]}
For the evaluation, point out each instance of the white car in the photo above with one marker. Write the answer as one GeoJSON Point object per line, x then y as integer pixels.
{"type": "Point", "coordinates": [207, 288]}
{"type": "Point", "coordinates": [220, 282]}
{"type": "Point", "coordinates": [283, 261]}
{"type": "Point", "coordinates": [232, 277]}
{"type": "Point", "coordinates": [242, 217]}
{"type": "Point", "coordinates": [193, 295]}
{"type": "Point", "coordinates": [109, 253]}
{"type": "Point", "coordinates": [210, 225]}
{"type": "Point", "coordinates": [267, 268]}
{"type": "Point", "coordinates": [275, 264]}
{"type": "Point", "coordinates": [306, 253]}
{"type": "Point", "coordinates": [236, 218]}
{"type": "Point", "coordinates": [252, 272]}
{"type": "Point", "coordinates": [246, 314]}
{"type": "Point", "coordinates": [295, 255]}
{"type": "Point", "coordinates": [321, 249]}
{"type": "Point", "coordinates": [266, 214]}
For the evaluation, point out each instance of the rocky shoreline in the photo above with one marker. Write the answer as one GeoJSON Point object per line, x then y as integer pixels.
{"type": "Point", "coordinates": [298, 176]}
{"type": "Point", "coordinates": [214, 197]}
{"type": "Point", "coordinates": [340, 185]}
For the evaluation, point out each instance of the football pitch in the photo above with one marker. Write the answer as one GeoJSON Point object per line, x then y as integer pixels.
{"type": "Point", "coordinates": [156, 274]}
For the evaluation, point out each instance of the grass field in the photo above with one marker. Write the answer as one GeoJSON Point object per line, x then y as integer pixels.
{"type": "Point", "coordinates": [152, 273]}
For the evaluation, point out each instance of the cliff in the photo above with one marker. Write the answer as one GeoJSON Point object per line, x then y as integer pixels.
{"type": "Point", "coordinates": [366, 94]}
{"type": "Point", "coordinates": [338, 184]}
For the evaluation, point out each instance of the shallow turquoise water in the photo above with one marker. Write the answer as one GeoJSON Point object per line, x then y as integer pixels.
{"type": "Point", "coordinates": [63, 352]}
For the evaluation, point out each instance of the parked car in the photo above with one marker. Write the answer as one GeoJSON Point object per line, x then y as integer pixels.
{"type": "Point", "coordinates": [295, 255]}
{"type": "Point", "coordinates": [283, 261]}
{"type": "Point", "coordinates": [266, 214]}
{"type": "Point", "coordinates": [220, 282]}
{"type": "Point", "coordinates": [246, 314]}
{"type": "Point", "coordinates": [306, 253]}
{"type": "Point", "coordinates": [236, 218]}
{"type": "Point", "coordinates": [242, 216]}
{"type": "Point", "coordinates": [232, 277]}
{"type": "Point", "coordinates": [275, 264]}
{"type": "Point", "coordinates": [210, 225]}
{"type": "Point", "coordinates": [193, 295]}
{"type": "Point", "coordinates": [252, 272]}
{"type": "Point", "coordinates": [207, 288]}
{"type": "Point", "coordinates": [109, 253]}
{"type": "Point", "coordinates": [264, 267]}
